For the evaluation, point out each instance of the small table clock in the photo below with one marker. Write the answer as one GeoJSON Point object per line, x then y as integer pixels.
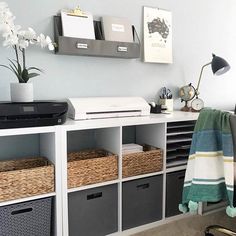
{"type": "Point", "coordinates": [197, 104]}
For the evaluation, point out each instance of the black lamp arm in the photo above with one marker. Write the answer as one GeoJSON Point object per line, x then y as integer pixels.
{"type": "Point", "coordinates": [200, 77]}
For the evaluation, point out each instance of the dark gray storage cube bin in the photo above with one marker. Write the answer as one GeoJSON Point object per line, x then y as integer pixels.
{"type": "Point", "coordinates": [94, 211]}
{"type": "Point", "coordinates": [174, 188]}
{"type": "Point", "coordinates": [142, 201]}
{"type": "Point", "coordinates": [26, 219]}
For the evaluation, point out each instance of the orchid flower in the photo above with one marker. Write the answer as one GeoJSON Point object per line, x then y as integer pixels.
{"type": "Point", "coordinates": [20, 40]}
{"type": "Point", "coordinates": [45, 41]}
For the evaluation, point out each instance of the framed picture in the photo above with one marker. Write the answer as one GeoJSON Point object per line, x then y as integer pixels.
{"type": "Point", "coordinates": [157, 35]}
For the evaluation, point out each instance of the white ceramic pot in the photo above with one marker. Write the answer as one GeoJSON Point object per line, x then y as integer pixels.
{"type": "Point", "coordinates": [22, 92]}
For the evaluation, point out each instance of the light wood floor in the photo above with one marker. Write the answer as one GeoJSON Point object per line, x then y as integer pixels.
{"type": "Point", "coordinates": [192, 226]}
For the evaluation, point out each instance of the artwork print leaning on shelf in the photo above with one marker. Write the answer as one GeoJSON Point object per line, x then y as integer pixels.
{"type": "Point", "coordinates": [157, 35]}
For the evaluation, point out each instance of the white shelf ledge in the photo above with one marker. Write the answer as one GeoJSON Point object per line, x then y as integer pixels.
{"type": "Point", "coordinates": [179, 133]}
{"type": "Point", "coordinates": [180, 126]}
{"type": "Point", "coordinates": [142, 176]}
{"type": "Point", "coordinates": [179, 140]}
{"type": "Point", "coordinates": [6, 203]}
{"type": "Point", "coordinates": [173, 169]}
{"type": "Point", "coordinates": [71, 190]}
{"type": "Point", "coordinates": [30, 130]}
{"type": "Point", "coordinates": [176, 116]}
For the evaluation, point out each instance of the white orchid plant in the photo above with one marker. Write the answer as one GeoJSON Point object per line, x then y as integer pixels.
{"type": "Point", "coordinates": [20, 40]}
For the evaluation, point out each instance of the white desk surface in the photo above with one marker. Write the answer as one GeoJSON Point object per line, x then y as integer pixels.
{"type": "Point", "coordinates": [105, 123]}
{"type": "Point", "coordinates": [128, 121]}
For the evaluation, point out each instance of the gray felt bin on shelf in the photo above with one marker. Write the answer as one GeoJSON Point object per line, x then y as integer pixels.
{"type": "Point", "coordinates": [91, 47]}
{"type": "Point", "coordinates": [142, 201]}
{"type": "Point", "coordinates": [93, 212]}
{"type": "Point", "coordinates": [31, 218]}
{"type": "Point", "coordinates": [174, 189]}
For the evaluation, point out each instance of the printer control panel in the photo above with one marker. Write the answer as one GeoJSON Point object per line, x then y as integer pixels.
{"type": "Point", "coordinates": [26, 109]}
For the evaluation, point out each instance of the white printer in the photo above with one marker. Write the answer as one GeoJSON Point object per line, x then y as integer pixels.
{"type": "Point", "coordinates": [107, 107]}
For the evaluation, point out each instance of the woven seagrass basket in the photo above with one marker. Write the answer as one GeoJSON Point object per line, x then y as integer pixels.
{"type": "Point", "coordinates": [25, 178]}
{"type": "Point", "coordinates": [148, 161]}
{"type": "Point", "coordinates": [91, 166]}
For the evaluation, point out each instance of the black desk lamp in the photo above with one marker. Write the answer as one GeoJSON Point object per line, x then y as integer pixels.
{"type": "Point", "coordinates": [219, 66]}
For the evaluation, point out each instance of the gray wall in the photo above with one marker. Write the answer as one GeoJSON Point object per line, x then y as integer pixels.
{"type": "Point", "coordinates": [200, 27]}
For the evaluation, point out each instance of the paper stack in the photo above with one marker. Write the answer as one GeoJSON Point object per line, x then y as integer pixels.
{"type": "Point", "coordinates": [77, 26]}
{"type": "Point", "coordinates": [131, 148]}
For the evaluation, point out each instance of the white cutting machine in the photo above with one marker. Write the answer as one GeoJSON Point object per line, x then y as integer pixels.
{"type": "Point", "coordinates": [107, 107]}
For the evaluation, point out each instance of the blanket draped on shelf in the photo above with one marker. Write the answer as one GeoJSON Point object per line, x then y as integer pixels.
{"type": "Point", "coordinates": [210, 170]}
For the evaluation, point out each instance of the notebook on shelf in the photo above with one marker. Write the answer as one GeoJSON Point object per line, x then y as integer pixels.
{"type": "Point", "coordinates": [117, 29]}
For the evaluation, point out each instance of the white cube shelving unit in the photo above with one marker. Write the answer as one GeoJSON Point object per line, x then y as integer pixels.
{"type": "Point", "coordinates": [55, 142]}
{"type": "Point", "coordinates": [110, 134]}
{"type": "Point", "coordinates": [31, 142]}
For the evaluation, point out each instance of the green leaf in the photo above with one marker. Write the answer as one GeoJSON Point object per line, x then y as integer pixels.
{"type": "Point", "coordinates": [31, 75]}
{"type": "Point", "coordinates": [13, 64]}
{"type": "Point", "coordinates": [14, 70]}
{"type": "Point", "coordinates": [16, 73]}
{"type": "Point", "coordinates": [18, 67]}
{"type": "Point", "coordinates": [6, 67]}
{"type": "Point", "coordinates": [17, 70]}
{"type": "Point", "coordinates": [25, 75]}
{"type": "Point", "coordinates": [11, 69]}
{"type": "Point", "coordinates": [34, 68]}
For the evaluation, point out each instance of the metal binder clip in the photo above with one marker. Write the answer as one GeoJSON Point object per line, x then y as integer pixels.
{"type": "Point", "coordinates": [77, 12]}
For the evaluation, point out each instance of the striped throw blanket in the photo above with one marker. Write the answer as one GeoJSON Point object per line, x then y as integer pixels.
{"type": "Point", "coordinates": [210, 171]}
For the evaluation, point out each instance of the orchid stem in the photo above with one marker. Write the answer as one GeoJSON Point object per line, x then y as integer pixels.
{"type": "Point", "coordinates": [23, 54]}
{"type": "Point", "coordinates": [16, 51]}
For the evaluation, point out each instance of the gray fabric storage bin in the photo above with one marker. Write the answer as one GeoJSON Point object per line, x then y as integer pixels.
{"type": "Point", "coordinates": [174, 189]}
{"type": "Point", "coordinates": [142, 201]}
{"type": "Point", "coordinates": [93, 212]}
{"type": "Point", "coordinates": [31, 218]}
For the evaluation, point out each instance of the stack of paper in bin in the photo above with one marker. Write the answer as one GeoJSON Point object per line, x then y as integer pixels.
{"type": "Point", "coordinates": [131, 148]}
{"type": "Point", "coordinates": [77, 24]}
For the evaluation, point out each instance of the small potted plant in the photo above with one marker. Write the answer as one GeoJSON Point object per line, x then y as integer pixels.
{"type": "Point", "coordinates": [19, 40]}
